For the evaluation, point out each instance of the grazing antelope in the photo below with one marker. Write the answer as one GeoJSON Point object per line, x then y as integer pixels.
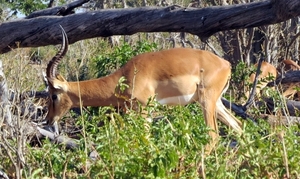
{"type": "Point", "coordinates": [266, 70]}
{"type": "Point", "coordinates": [289, 90]}
{"type": "Point", "coordinates": [289, 65]}
{"type": "Point", "coordinates": [173, 77]}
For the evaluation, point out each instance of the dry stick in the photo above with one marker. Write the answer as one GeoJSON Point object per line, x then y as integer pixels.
{"type": "Point", "coordinates": [3, 175]}
{"type": "Point", "coordinates": [290, 44]}
{"type": "Point", "coordinates": [184, 41]}
{"type": "Point", "coordinates": [16, 162]}
{"type": "Point", "coordinates": [65, 168]}
{"type": "Point", "coordinates": [5, 113]}
{"type": "Point", "coordinates": [202, 167]}
{"type": "Point", "coordinates": [285, 159]}
{"type": "Point", "coordinates": [249, 45]}
{"type": "Point", "coordinates": [83, 123]}
{"type": "Point", "coordinates": [19, 141]}
{"type": "Point", "coordinates": [252, 94]}
{"type": "Point", "coordinates": [285, 109]}
{"type": "Point", "coordinates": [213, 48]}
{"type": "Point", "coordinates": [7, 148]}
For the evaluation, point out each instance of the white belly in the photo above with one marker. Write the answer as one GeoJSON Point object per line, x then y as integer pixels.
{"type": "Point", "coordinates": [182, 100]}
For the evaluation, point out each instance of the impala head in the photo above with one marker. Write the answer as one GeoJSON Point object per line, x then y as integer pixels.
{"type": "Point", "coordinates": [59, 102]}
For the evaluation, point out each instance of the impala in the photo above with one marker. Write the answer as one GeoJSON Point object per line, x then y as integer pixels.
{"type": "Point", "coordinates": [289, 65]}
{"type": "Point", "coordinates": [173, 77]}
{"type": "Point", "coordinates": [266, 70]}
{"type": "Point", "coordinates": [289, 90]}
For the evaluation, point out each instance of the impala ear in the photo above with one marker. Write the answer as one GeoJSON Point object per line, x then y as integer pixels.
{"type": "Point", "coordinates": [59, 84]}
{"type": "Point", "coordinates": [61, 78]}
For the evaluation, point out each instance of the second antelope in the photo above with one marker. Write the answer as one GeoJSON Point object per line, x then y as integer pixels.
{"type": "Point", "coordinates": [173, 77]}
{"type": "Point", "coordinates": [289, 65]}
{"type": "Point", "coordinates": [290, 89]}
{"type": "Point", "coordinates": [266, 71]}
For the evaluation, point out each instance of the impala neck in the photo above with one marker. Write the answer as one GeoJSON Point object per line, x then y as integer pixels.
{"type": "Point", "coordinates": [96, 92]}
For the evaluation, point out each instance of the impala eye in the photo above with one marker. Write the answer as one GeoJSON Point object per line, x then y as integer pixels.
{"type": "Point", "coordinates": [54, 97]}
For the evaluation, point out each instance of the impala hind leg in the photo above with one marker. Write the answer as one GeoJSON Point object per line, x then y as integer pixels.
{"type": "Point", "coordinates": [208, 104]}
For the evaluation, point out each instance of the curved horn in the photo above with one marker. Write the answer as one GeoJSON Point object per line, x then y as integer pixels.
{"type": "Point", "coordinates": [52, 65]}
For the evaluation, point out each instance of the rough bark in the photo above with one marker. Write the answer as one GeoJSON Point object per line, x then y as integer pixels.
{"type": "Point", "coordinates": [44, 30]}
{"type": "Point", "coordinates": [287, 78]}
{"type": "Point", "coordinates": [292, 107]}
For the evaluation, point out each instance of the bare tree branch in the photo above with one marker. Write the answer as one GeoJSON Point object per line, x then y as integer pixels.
{"type": "Point", "coordinates": [252, 94]}
{"type": "Point", "coordinates": [286, 78]}
{"type": "Point", "coordinates": [59, 10]}
{"type": "Point", "coordinates": [50, 4]}
{"type": "Point", "coordinates": [42, 31]}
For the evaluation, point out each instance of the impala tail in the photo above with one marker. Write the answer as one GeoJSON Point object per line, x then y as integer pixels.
{"type": "Point", "coordinates": [226, 116]}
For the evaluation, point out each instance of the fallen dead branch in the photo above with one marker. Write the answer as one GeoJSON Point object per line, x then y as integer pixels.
{"type": "Point", "coordinates": [281, 120]}
{"type": "Point", "coordinates": [64, 140]}
{"type": "Point", "coordinates": [286, 78]}
{"type": "Point", "coordinates": [293, 107]}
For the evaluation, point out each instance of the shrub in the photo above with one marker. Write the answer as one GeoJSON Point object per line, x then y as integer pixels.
{"type": "Point", "coordinates": [107, 63]}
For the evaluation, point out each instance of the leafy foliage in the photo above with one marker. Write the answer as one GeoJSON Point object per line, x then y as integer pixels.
{"type": "Point", "coordinates": [240, 79]}
{"type": "Point", "coordinates": [129, 147]}
{"type": "Point", "coordinates": [107, 63]}
{"type": "Point", "coordinates": [171, 147]}
{"type": "Point", "coordinates": [26, 6]}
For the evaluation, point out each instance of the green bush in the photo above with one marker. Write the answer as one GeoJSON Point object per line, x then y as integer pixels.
{"type": "Point", "coordinates": [107, 63]}
{"type": "Point", "coordinates": [130, 147]}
